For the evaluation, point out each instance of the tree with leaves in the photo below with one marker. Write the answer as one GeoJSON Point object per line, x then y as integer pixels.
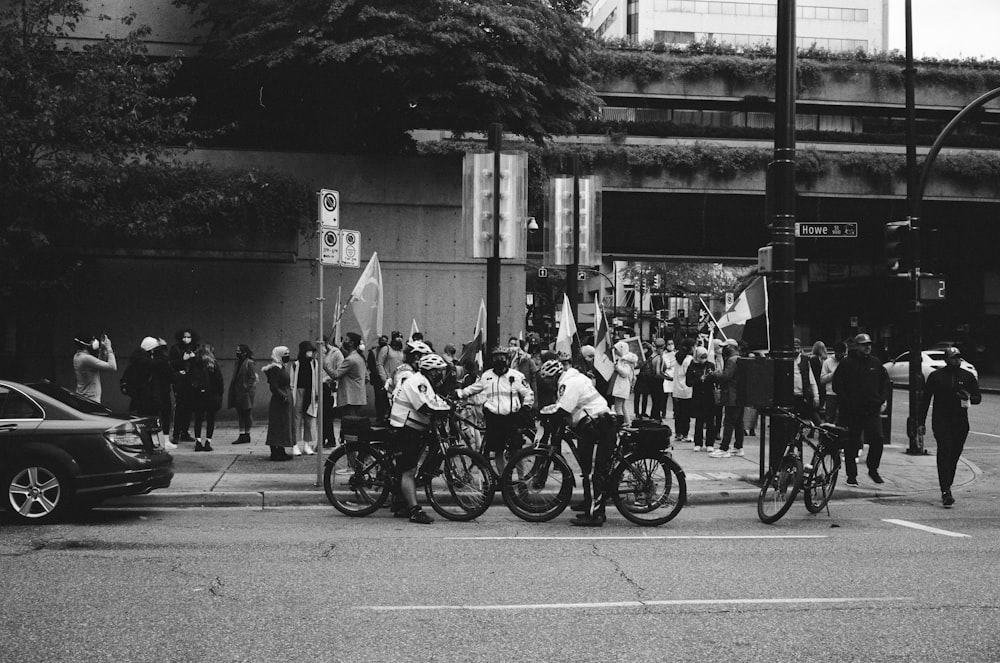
{"type": "Point", "coordinates": [358, 74]}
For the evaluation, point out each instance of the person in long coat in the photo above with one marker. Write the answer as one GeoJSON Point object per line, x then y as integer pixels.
{"type": "Point", "coordinates": [242, 390]}
{"type": "Point", "coordinates": [279, 411]}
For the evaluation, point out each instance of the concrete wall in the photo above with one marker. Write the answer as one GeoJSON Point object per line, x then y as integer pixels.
{"type": "Point", "coordinates": [407, 209]}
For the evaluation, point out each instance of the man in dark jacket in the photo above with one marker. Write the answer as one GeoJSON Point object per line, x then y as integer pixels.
{"type": "Point", "coordinates": [861, 384]}
{"type": "Point", "coordinates": [953, 389]}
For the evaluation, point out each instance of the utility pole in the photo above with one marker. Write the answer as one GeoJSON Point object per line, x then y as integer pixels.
{"type": "Point", "coordinates": [916, 441]}
{"type": "Point", "coordinates": [782, 286]}
{"type": "Point", "coordinates": [573, 271]}
{"type": "Point", "coordinates": [493, 262]}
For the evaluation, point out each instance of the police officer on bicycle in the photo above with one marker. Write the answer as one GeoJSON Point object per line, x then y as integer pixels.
{"type": "Point", "coordinates": [507, 391]}
{"type": "Point", "coordinates": [414, 403]}
{"type": "Point", "coordinates": [588, 414]}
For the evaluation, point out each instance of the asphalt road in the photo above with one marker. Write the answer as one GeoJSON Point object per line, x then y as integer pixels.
{"type": "Point", "coordinates": [301, 584]}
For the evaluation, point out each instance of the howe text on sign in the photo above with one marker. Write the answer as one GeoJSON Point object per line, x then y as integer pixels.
{"type": "Point", "coordinates": [849, 229]}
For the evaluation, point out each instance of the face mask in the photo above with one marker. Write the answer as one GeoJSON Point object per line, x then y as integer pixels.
{"type": "Point", "coordinates": [95, 344]}
{"type": "Point", "coordinates": [285, 359]}
{"type": "Point", "coordinates": [186, 340]}
{"type": "Point", "coordinates": [499, 366]}
{"type": "Point", "coordinates": [309, 354]}
{"type": "Point", "coordinates": [396, 345]}
{"type": "Point", "coordinates": [361, 348]}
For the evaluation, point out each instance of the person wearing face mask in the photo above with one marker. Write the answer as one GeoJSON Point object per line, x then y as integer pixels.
{"type": "Point", "coordinates": [143, 382]}
{"type": "Point", "coordinates": [304, 378]}
{"type": "Point", "coordinates": [350, 376]}
{"type": "Point", "coordinates": [279, 412]}
{"type": "Point", "coordinates": [181, 355]}
{"type": "Point", "coordinates": [389, 359]}
{"type": "Point", "coordinates": [91, 359]}
{"type": "Point", "coordinates": [507, 391]}
{"type": "Point", "coordinates": [242, 389]}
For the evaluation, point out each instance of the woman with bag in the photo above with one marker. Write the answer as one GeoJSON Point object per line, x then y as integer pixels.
{"type": "Point", "coordinates": [624, 378]}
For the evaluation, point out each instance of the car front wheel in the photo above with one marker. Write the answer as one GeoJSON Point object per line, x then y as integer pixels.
{"type": "Point", "coordinates": [36, 491]}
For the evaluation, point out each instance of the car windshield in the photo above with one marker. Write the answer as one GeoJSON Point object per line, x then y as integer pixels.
{"type": "Point", "coordinates": [69, 398]}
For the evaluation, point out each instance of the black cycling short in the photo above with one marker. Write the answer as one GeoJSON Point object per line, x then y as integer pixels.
{"type": "Point", "coordinates": [407, 443]}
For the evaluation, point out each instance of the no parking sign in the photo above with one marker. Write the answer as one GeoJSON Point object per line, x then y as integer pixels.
{"type": "Point", "coordinates": [350, 248]}
{"type": "Point", "coordinates": [330, 247]}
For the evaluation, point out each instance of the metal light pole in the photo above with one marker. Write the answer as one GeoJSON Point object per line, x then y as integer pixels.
{"type": "Point", "coordinates": [573, 270]}
{"type": "Point", "coordinates": [916, 441]}
{"type": "Point", "coordinates": [782, 286]}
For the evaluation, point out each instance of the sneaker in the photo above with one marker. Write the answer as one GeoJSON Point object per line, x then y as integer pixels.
{"type": "Point", "coordinates": [168, 445]}
{"type": "Point", "coordinates": [207, 446]}
{"type": "Point", "coordinates": [697, 448]}
{"type": "Point", "coordinates": [852, 481]}
{"type": "Point", "coordinates": [751, 432]}
{"type": "Point", "coordinates": [738, 452]}
{"type": "Point", "coordinates": [244, 438]}
{"type": "Point", "coordinates": [586, 520]}
{"type": "Point", "coordinates": [296, 451]}
{"type": "Point", "coordinates": [186, 437]}
{"type": "Point", "coordinates": [417, 515]}
{"type": "Point", "coordinates": [875, 476]}
{"type": "Point", "coordinates": [946, 498]}
{"type": "Point", "coordinates": [719, 453]}
{"type": "Point", "coordinates": [198, 446]}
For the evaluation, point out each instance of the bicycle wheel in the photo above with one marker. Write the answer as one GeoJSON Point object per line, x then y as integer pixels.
{"type": "Point", "coordinates": [648, 488]}
{"type": "Point", "coordinates": [779, 490]}
{"type": "Point", "coordinates": [357, 479]}
{"type": "Point", "coordinates": [819, 488]}
{"type": "Point", "coordinates": [462, 488]}
{"type": "Point", "coordinates": [536, 485]}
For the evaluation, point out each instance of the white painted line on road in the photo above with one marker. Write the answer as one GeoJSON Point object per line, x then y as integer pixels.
{"type": "Point", "coordinates": [972, 432]}
{"type": "Point", "coordinates": [644, 537]}
{"type": "Point", "coordinates": [925, 528]}
{"type": "Point", "coordinates": [634, 604]}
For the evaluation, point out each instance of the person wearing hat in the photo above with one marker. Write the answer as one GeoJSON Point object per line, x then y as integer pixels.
{"type": "Point", "coordinates": [143, 382]}
{"type": "Point", "coordinates": [305, 378]}
{"type": "Point", "coordinates": [953, 389]}
{"type": "Point", "coordinates": [350, 376]}
{"type": "Point", "coordinates": [92, 357]}
{"type": "Point", "coordinates": [861, 385]}
{"type": "Point", "coordinates": [507, 391]}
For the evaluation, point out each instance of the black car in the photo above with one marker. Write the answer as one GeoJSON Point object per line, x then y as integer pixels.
{"type": "Point", "coordinates": [60, 452]}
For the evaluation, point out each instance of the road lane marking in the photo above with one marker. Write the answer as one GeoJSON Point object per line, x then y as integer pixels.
{"type": "Point", "coordinates": [925, 528]}
{"type": "Point", "coordinates": [644, 537]}
{"type": "Point", "coordinates": [634, 604]}
{"type": "Point", "coordinates": [972, 432]}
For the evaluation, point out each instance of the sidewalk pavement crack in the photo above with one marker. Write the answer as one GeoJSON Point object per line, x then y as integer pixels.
{"type": "Point", "coordinates": [329, 551]}
{"type": "Point", "coordinates": [639, 589]}
{"type": "Point", "coordinates": [223, 473]}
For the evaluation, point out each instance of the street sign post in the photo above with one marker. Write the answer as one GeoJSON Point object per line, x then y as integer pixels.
{"type": "Point", "coordinates": [816, 230]}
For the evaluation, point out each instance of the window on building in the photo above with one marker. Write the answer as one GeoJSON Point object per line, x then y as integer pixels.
{"type": "Point", "coordinates": [729, 8]}
{"type": "Point", "coordinates": [701, 6]}
{"type": "Point", "coordinates": [756, 10]}
{"type": "Point", "coordinates": [687, 6]}
{"type": "Point", "coordinates": [822, 14]}
{"type": "Point", "coordinates": [673, 5]}
{"type": "Point", "coordinates": [661, 6]}
{"type": "Point", "coordinates": [742, 9]}
{"type": "Point", "coordinates": [673, 37]}
{"type": "Point", "coordinates": [808, 12]}
{"type": "Point", "coordinates": [861, 15]}
{"type": "Point", "coordinates": [770, 10]}
{"type": "Point", "coordinates": [715, 8]}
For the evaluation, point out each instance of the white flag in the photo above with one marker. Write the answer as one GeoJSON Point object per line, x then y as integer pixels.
{"type": "Point", "coordinates": [567, 329]}
{"type": "Point", "coordinates": [366, 301]}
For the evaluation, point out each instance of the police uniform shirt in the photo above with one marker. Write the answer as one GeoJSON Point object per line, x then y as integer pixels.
{"type": "Point", "coordinates": [412, 394]}
{"type": "Point", "coordinates": [577, 395]}
{"type": "Point", "coordinates": [505, 394]}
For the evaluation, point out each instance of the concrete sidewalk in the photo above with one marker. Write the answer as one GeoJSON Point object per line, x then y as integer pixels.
{"type": "Point", "coordinates": [242, 475]}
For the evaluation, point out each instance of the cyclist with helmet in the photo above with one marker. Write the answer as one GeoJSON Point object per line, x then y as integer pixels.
{"type": "Point", "coordinates": [413, 405]}
{"type": "Point", "coordinates": [506, 390]}
{"type": "Point", "coordinates": [584, 408]}
{"type": "Point", "coordinates": [411, 355]}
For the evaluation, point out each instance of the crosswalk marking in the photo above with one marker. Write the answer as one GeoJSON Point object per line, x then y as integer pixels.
{"type": "Point", "coordinates": [635, 604]}
{"type": "Point", "coordinates": [925, 528]}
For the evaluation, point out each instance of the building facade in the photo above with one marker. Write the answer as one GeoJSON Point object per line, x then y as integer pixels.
{"type": "Point", "coordinates": [832, 25]}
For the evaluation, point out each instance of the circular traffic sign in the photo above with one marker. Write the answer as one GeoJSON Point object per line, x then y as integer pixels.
{"type": "Point", "coordinates": [330, 238]}
{"type": "Point", "coordinates": [350, 238]}
{"type": "Point", "coordinates": [329, 201]}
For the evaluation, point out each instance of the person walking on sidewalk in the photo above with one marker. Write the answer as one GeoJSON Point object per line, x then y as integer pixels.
{"type": "Point", "coordinates": [242, 390]}
{"type": "Point", "coordinates": [206, 381]}
{"type": "Point", "coordinates": [861, 384]}
{"type": "Point", "coordinates": [732, 414]}
{"type": "Point", "coordinates": [279, 411]}
{"type": "Point", "coordinates": [953, 389]}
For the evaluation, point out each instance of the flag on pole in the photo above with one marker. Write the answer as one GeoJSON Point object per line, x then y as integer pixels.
{"type": "Point", "coordinates": [366, 301]}
{"type": "Point", "coordinates": [746, 320]}
{"type": "Point", "coordinates": [604, 360]}
{"type": "Point", "coordinates": [336, 323]}
{"type": "Point", "coordinates": [567, 329]}
{"type": "Point", "coordinates": [413, 329]}
{"type": "Point", "coordinates": [474, 348]}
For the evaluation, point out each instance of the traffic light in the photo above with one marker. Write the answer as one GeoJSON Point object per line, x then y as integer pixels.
{"type": "Point", "coordinates": [657, 281]}
{"type": "Point", "coordinates": [897, 247]}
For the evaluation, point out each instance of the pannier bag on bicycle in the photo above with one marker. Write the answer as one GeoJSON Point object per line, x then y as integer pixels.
{"type": "Point", "coordinates": [652, 436]}
{"type": "Point", "coordinates": [355, 429]}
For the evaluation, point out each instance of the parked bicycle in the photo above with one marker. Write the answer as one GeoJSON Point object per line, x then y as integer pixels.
{"type": "Point", "coordinates": [359, 476]}
{"type": "Point", "coordinates": [645, 484]}
{"type": "Point", "coordinates": [817, 479]}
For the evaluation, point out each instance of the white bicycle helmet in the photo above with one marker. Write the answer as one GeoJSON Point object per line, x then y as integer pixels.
{"type": "Point", "coordinates": [431, 362]}
{"type": "Point", "coordinates": [551, 368]}
{"type": "Point", "coordinates": [419, 347]}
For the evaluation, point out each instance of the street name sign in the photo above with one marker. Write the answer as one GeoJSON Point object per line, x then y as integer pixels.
{"type": "Point", "coordinates": [810, 229]}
